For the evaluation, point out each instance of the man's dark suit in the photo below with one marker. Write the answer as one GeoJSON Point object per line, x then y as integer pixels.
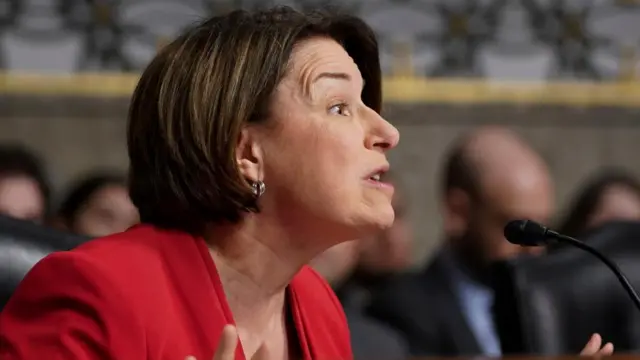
{"type": "Point", "coordinates": [370, 339]}
{"type": "Point", "coordinates": [424, 308]}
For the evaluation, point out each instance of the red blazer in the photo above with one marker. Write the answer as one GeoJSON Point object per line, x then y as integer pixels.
{"type": "Point", "coordinates": [148, 294]}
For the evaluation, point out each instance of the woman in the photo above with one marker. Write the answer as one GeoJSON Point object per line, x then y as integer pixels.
{"type": "Point", "coordinates": [609, 195]}
{"type": "Point", "coordinates": [255, 144]}
{"type": "Point", "coordinates": [97, 205]}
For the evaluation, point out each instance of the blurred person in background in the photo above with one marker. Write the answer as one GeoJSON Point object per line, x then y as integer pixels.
{"type": "Point", "coordinates": [380, 257]}
{"type": "Point", "coordinates": [338, 262]}
{"type": "Point", "coordinates": [370, 338]}
{"type": "Point", "coordinates": [389, 251]}
{"type": "Point", "coordinates": [490, 177]}
{"type": "Point", "coordinates": [609, 195]}
{"type": "Point", "coordinates": [97, 205]}
{"type": "Point", "coordinates": [24, 189]}
{"type": "Point", "coordinates": [371, 259]}
{"type": "Point", "coordinates": [356, 268]}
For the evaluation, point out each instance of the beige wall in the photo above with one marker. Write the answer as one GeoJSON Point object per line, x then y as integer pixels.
{"type": "Point", "coordinates": [76, 135]}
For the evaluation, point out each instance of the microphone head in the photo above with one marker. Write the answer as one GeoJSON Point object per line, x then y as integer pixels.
{"type": "Point", "coordinates": [526, 233]}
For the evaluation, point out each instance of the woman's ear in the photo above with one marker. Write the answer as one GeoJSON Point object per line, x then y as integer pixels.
{"type": "Point", "coordinates": [249, 155]}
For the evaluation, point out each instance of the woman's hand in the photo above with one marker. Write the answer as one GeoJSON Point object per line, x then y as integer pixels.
{"type": "Point", "coordinates": [227, 346]}
{"type": "Point", "coordinates": [594, 347]}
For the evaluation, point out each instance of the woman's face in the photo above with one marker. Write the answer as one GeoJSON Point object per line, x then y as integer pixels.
{"type": "Point", "coordinates": [109, 210]}
{"type": "Point", "coordinates": [319, 158]}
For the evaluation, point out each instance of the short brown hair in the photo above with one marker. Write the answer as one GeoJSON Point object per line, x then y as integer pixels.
{"type": "Point", "coordinates": [194, 98]}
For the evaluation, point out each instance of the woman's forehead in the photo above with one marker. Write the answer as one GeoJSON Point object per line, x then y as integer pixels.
{"type": "Point", "coordinates": [314, 58]}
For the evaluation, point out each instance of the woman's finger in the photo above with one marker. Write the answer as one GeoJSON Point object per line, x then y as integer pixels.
{"type": "Point", "coordinates": [606, 350]}
{"type": "Point", "coordinates": [593, 346]}
{"type": "Point", "coordinates": [227, 345]}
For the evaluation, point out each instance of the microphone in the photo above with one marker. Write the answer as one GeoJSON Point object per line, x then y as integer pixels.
{"type": "Point", "coordinates": [530, 233]}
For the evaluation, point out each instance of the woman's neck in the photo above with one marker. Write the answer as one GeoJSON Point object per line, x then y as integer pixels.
{"type": "Point", "coordinates": [255, 269]}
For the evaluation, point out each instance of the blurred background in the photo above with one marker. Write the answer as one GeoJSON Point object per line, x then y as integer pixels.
{"type": "Point", "coordinates": [561, 74]}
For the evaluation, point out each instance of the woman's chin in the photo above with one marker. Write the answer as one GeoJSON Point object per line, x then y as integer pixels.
{"type": "Point", "coordinates": [359, 225]}
{"type": "Point", "coordinates": [380, 221]}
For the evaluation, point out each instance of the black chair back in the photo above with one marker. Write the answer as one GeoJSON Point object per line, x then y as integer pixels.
{"type": "Point", "coordinates": [551, 305]}
{"type": "Point", "coordinates": [22, 245]}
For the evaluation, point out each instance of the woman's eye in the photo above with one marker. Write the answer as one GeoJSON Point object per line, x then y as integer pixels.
{"type": "Point", "coordinates": [339, 109]}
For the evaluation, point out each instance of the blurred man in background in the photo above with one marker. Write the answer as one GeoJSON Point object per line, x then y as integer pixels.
{"type": "Point", "coordinates": [490, 177]}
{"type": "Point", "coordinates": [24, 190]}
